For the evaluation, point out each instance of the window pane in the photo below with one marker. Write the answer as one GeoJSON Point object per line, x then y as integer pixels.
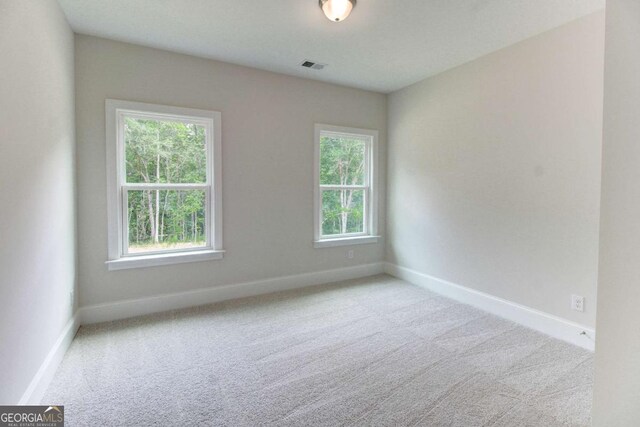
{"type": "Point", "coordinates": [342, 160]}
{"type": "Point", "coordinates": [342, 211]}
{"type": "Point", "coordinates": [166, 220]}
{"type": "Point", "coordinates": [160, 151]}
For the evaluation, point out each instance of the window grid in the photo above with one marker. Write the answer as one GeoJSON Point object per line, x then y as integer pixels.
{"type": "Point", "coordinates": [207, 214]}
{"type": "Point", "coordinates": [125, 187]}
{"type": "Point", "coordinates": [369, 139]}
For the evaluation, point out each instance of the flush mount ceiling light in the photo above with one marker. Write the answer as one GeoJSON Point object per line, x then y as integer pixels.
{"type": "Point", "coordinates": [337, 10]}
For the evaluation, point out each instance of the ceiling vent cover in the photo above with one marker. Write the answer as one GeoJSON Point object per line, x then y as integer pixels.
{"type": "Point", "coordinates": [313, 65]}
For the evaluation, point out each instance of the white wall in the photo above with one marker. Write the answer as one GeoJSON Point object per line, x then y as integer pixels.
{"type": "Point", "coordinates": [617, 384]}
{"type": "Point", "coordinates": [494, 171]}
{"type": "Point", "coordinates": [37, 196]}
{"type": "Point", "coordinates": [267, 151]}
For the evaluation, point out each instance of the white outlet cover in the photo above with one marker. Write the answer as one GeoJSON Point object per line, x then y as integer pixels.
{"type": "Point", "coordinates": [577, 303]}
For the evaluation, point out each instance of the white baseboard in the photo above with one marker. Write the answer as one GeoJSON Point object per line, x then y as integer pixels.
{"type": "Point", "coordinates": [43, 377]}
{"type": "Point", "coordinates": [137, 307]}
{"type": "Point", "coordinates": [546, 323]}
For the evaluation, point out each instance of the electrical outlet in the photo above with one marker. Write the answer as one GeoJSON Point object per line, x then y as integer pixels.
{"type": "Point", "coordinates": [72, 298]}
{"type": "Point", "coordinates": [350, 254]}
{"type": "Point", "coordinates": [577, 303]}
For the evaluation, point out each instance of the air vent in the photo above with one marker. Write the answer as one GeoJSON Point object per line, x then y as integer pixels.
{"type": "Point", "coordinates": [313, 65]}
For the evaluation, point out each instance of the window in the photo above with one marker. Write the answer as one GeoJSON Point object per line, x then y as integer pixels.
{"type": "Point", "coordinates": [345, 186]}
{"type": "Point", "coordinates": [164, 192]}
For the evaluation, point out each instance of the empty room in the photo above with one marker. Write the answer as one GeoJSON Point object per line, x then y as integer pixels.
{"type": "Point", "coordinates": [320, 213]}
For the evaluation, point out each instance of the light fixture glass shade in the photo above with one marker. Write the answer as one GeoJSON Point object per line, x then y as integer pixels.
{"type": "Point", "coordinates": [337, 10]}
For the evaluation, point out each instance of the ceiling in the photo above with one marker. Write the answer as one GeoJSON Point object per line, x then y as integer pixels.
{"type": "Point", "coordinates": [383, 46]}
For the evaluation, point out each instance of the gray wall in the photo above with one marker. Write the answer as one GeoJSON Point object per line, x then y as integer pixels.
{"type": "Point", "coordinates": [37, 196]}
{"type": "Point", "coordinates": [267, 155]}
{"type": "Point", "coordinates": [617, 384]}
{"type": "Point", "coordinates": [494, 171]}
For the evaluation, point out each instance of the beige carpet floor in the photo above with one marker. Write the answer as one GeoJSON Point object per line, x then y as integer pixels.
{"type": "Point", "coordinates": [375, 352]}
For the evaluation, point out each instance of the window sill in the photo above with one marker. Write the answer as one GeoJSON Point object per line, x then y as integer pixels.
{"type": "Point", "coordinates": [346, 241]}
{"type": "Point", "coordinates": [143, 261]}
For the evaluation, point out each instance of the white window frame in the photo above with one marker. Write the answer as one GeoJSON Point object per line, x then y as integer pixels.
{"type": "Point", "coordinates": [117, 188]}
{"type": "Point", "coordinates": [370, 187]}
